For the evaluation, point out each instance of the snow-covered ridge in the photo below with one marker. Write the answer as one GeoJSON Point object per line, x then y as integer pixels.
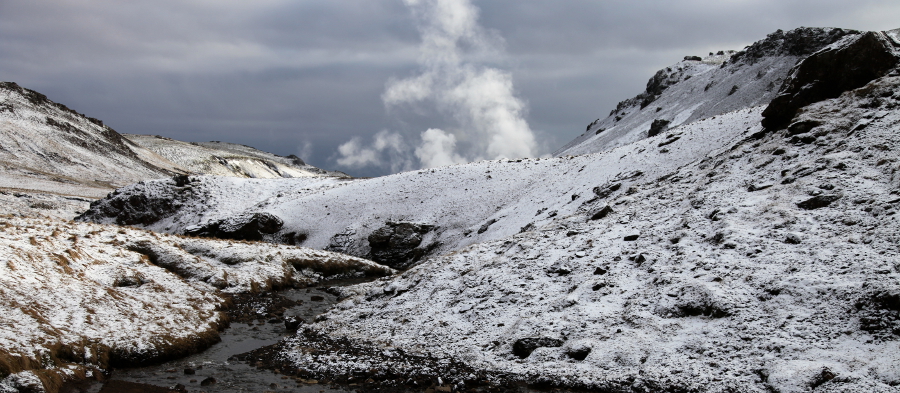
{"type": "Point", "coordinates": [466, 204]}
{"type": "Point", "coordinates": [698, 88]}
{"type": "Point", "coordinates": [76, 298]}
{"type": "Point", "coordinates": [228, 159]}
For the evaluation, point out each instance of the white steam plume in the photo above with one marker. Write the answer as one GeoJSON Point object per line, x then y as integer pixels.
{"type": "Point", "coordinates": [490, 119]}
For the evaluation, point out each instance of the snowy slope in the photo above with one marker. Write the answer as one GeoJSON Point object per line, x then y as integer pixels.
{"type": "Point", "coordinates": [228, 159]}
{"type": "Point", "coordinates": [76, 298]}
{"type": "Point", "coordinates": [697, 89]}
{"type": "Point", "coordinates": [468, 203]}
{"type": "Point", "coordinates": [773, 265]}
{"type": "Point", "coordinates": [47, 147]}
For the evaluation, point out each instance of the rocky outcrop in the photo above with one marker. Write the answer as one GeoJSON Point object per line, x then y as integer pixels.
{"type": "Point", "coordinates": [830, 72]}
{"type": "Point", "coordinates": [802, 41]}
{"type": "Point", "coordinates": [246, 226]}
{"type": "Point", "coordinates": [399, 244]}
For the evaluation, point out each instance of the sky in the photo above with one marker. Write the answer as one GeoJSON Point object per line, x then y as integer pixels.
{"type": "Point", "coordinates": [372, 87]}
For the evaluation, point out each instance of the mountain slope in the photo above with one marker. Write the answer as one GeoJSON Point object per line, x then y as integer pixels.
{"type": "Point", "coordinates": [771, 266]}
{"type": "Point", "coordinates": [48, 147]}
{"type": "Point", "coordinates": [700, 88]}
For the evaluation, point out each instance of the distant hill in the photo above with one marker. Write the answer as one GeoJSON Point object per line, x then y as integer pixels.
{"type": "Point", "coordinates": [45, 147]}
{"type": "Point", "coordinates": [228, 159]}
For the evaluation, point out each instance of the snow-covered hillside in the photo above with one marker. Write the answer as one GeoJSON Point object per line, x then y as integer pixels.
{"type": "Point", "coordinates": [47, 147]}
{"type": "Point", "coordinates": [228, 159]}
{"type": "Point", "coordinates": [466, 204]}
{"type": "Point", "coordinates": [76, 298]}
{"type": "Point", "coordinates": [703, 87]}
{"type": "Point", "coordinates": [773, 265]}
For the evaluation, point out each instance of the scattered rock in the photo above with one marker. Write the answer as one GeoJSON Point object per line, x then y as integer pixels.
{"type": "Point", "coordinates": [578, 353]}
{"type": "Point", "coordinates": [523, 347]}
{"type": "Point", "coordinates": [759, 186]}
{"type": "Point", "coordinates": [607, 189]}
{"type": "Point", "coordinates": [693, 58]}
{"type": "Point", "coordinates": [631, 238]}
{"type": "Point", "coordinates": [818, 201]}
{"type": "Point", "coordinates": [792, 238]}
{"type": "Point", "coordinates": [490, 222]}
{"type": "Point", "coordinates": [208, 381]}
{"type": "Point", "coordinates": [397, 244]}
{"type": "Point", "coordinates": [292, 323]}
{"type": "Point", "coordinates": [603, 212]}
{"type": "Point", "coordinates": [658, 126]}
{"type": "Point", "coordinates": [599, 271]}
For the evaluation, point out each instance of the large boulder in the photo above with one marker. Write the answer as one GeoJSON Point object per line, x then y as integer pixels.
{"type": "Point", "coordinates": [246, 226]}
{"type": "Point", "coordinates": [831, 71]}
{"type": "Point", "coordinates": [399, 244]}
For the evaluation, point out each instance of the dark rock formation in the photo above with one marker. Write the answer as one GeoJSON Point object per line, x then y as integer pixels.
{"type": "Point", "coordinates": [247, 226]}
{"type": "Point", "coordinates": [818, 201]}
{"type": "Point", "coordinates": [397, 244]}
{"type": "Point", "coordinates": [132, 209]}
{"type": "Point", "coordinates": [658, 126]}
{"type": "Point", "coordinates": [802, 41]}
{"type": "Point", "coordinates": [603, 212]}
{"type": "Point", "coordinates": [523, 347]}
{"type": "Point", "coordinates": [828, 73]}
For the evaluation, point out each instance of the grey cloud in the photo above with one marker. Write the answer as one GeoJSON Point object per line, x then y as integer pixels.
{"type": "Point", "coordinates": [281, 75]}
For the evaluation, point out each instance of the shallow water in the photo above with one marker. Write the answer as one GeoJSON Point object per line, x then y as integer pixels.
{"type": "Point", "coordinates": [238, 376]}
{"type": "Point", "coordinates": [234, 375]}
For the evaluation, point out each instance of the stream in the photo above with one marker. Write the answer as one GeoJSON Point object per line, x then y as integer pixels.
{"type": "Point", "coordinates": [211, 370]}
{"type": "Point", "coordinates": [214, 370]}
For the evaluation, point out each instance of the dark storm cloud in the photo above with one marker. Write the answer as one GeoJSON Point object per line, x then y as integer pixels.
{"type": "Point", "coordinates": [282, 75]}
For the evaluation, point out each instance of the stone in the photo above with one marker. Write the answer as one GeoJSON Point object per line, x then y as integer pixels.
{"type": "Point", "coordinates": [818, 201]}
{"type": "Point", "coordinates": [245, 226]}
{"type": "Point", "coordinates": [601, 213]}
{"type": "Point", "coordinates": [792, 238]}
{"type": "Point", "coordinates": [631, 238]}
{"type": "Point", "coordinates": [399, 244]}
{"type": "Point", "coordinates": [578, 353]}
{"type": "Point", "coordinates": [292, 323]}
{"type": "Point", "coordinates": [658, 126]}
{"type": "Point", "coordinates": [693, 58]}
{"type": "Point", "coordinates": [607, 189]}
{"type": "Point", "coordinates": [208, 381]}
{"type": "Point", "coordinates": [523, 347]}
